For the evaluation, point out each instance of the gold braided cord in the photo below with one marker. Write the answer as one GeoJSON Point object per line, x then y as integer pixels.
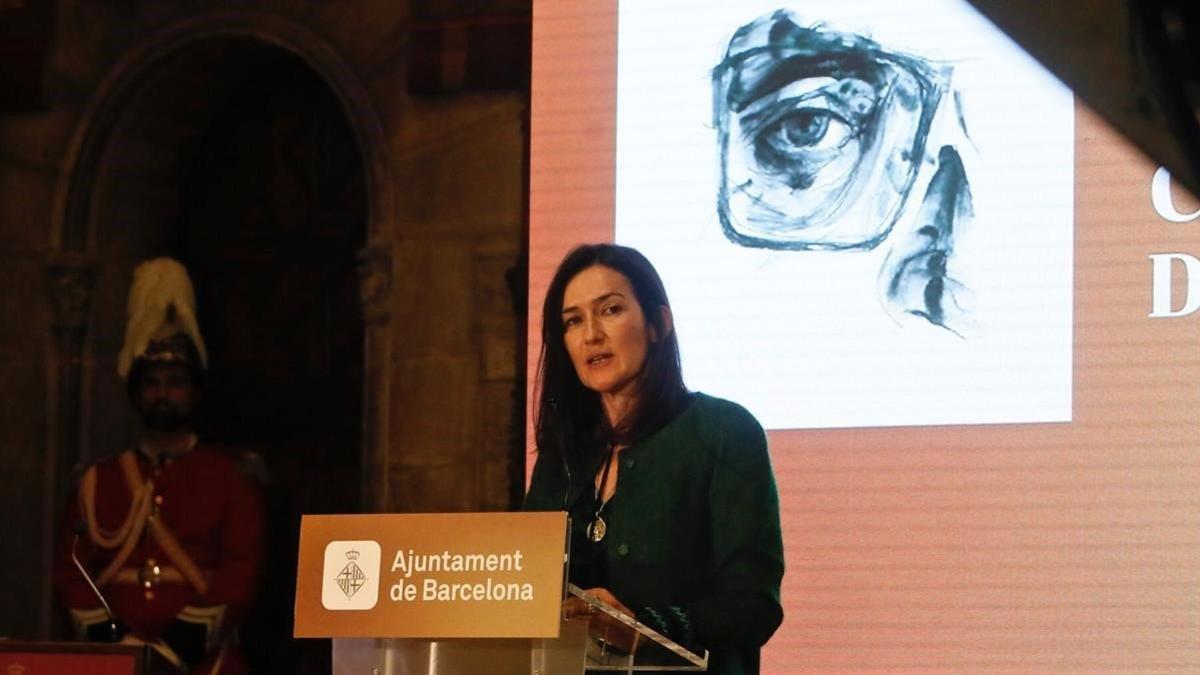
{"type": "Point", "coordinates": [139, 513]}
{"type": "Point", "coordinates": [130, 531]}
{"type": "Point", "coordinates": [174, 550]}
{"type": "Point", "coordinates": [167, 541]}
{"type": "Point", "coordinates": [138, 508]}
{"type": "Point", "coordinates": [133, 475]}
{"type": "Point", "coordinates": [127, 547]}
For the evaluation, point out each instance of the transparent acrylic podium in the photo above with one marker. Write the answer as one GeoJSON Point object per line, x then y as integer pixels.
{"type": "Point", "coordinates": [572, 653]}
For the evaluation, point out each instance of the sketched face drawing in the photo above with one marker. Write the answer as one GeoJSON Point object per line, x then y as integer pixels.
{"type": "Point", "coordinates": [821, 138]}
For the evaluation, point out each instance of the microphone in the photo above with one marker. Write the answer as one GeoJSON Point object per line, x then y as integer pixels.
{"type": "Point", "coordinates": [111, 630]}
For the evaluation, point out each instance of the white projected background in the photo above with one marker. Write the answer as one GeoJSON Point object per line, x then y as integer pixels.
{"type": "Point", "coordinates": [812, 338]}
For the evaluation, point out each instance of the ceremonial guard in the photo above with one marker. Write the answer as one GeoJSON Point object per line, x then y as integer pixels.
{"type": "Point", "coordinates": [170, 530]}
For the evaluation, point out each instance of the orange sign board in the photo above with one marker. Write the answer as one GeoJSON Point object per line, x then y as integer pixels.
{"type": "Point", "coordinates": [435, 575]}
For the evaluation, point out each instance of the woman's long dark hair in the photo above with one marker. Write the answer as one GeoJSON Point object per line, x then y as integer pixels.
{"type": "Point", "coordinates": [568, 412]}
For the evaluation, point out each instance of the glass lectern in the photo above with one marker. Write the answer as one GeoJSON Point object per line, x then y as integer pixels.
{"type": "Point", "coordinates": [574, 652]}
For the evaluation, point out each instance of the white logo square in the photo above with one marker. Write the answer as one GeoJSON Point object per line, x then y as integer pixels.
{"type": "Point", "coordinates": [350, 577]}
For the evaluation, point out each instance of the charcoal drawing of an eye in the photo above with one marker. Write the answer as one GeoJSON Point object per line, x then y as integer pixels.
{"type": "Point", "coordinates": [822, 136]}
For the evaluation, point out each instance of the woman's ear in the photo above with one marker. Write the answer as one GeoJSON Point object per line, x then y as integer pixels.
{"type": "Point", "coordinates": [667, 322]}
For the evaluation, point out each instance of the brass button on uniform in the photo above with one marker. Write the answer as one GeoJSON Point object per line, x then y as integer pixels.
{"type": "Point", "coordinates": [158, 500]}
{"type": "Point", "coordinates": [629, 462]}
{"type": "Point", "coordinates": [150, 574]}
{"type": "Point", "coordinates": [623, 550]}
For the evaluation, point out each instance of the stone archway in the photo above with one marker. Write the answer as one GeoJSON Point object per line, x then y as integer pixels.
{"type": "Point", "coordinates": [145, 174]}
{"type": "Point", "coordinates": [73, 270]}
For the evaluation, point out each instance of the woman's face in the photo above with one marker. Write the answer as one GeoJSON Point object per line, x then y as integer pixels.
{"type": "Point", "coordinates": [605, 331]}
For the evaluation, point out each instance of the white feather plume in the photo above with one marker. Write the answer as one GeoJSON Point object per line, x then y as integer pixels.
{"type": "Point", "coordinates": [158, 286]}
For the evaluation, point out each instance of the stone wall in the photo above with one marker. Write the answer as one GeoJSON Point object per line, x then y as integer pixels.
{"type": "Point", "coordinates": [445, 174]}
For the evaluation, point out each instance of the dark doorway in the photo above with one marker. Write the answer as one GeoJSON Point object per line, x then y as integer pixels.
{"type": "Point", "coordinates": [272, 214]}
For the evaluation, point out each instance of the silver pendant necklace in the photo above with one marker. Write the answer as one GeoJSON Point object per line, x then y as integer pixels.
{"type": "Point", "coordinates": [598, 528]}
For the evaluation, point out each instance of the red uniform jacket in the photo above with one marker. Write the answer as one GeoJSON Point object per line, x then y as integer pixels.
{"type": "Point", "coordinates": [216, 516]}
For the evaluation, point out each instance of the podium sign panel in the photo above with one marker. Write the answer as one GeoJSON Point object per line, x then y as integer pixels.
{"type": "Point", "coordinates": [441, 575]}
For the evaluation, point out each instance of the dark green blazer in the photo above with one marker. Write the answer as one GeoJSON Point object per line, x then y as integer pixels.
{"type": "Point", "coordinates": [693, 542]}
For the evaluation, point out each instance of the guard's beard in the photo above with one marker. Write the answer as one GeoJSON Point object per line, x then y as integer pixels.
{"type": "Point", "coordinates": [165, 418]}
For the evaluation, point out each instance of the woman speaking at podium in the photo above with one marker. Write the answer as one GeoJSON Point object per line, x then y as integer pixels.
{"type": "Point", "coordinates": [674, 511]}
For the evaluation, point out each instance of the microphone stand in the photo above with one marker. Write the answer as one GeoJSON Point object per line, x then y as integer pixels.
{"type": "Point", "coordinates": [111, 632]}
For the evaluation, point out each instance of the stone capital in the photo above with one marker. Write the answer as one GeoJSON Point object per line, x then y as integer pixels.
{"type": "Point", "coordinates": [375, 281]}
{"type": "Point", "coordinates": [71, 280]}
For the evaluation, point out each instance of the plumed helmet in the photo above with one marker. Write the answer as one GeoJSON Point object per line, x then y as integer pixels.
{"type": "Point", "coordinates": [162, 327]}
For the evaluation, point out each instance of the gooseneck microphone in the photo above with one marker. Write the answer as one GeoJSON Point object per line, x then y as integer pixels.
{"type": "Point", "coordinates": [111, 631]}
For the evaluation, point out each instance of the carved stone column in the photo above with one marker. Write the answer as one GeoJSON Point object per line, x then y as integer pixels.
{"type": "Point", "coordinates": [71, 280]}
{"type": "Point", "coordinates": [375, 294]}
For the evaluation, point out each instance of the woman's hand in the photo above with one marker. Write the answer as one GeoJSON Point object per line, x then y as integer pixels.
{"type": "Point", "coordinates": [574, 606]}
{"type": "Point", "coordinates": [601, 625]}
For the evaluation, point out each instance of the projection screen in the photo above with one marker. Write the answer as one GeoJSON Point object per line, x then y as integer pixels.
{"type": "Point", "coordinates": [963, 307]}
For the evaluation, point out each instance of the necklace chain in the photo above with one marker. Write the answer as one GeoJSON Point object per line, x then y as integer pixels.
{"type": "Point", "coordinates": [598, 528]}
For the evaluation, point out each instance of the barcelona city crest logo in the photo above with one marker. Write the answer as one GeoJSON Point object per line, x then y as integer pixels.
{"type": "Point", "coordinates": [350, 575]}
{"type": "Point", "coordinates": [351, 578]}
